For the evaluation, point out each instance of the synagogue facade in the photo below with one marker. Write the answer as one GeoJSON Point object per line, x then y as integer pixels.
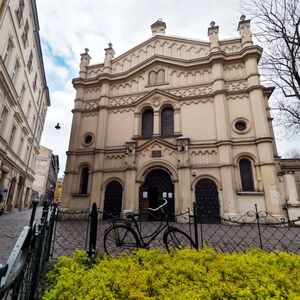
{"type": "Point", "coordinates": [177, 118]}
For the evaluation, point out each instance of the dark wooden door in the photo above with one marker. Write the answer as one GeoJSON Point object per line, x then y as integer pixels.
{"type": "Point", "coordinates": [113, 200]}
{"type": "Point", "coordinates": [158, 184]}
{"type": "Point", "coordinates": [207, 200]}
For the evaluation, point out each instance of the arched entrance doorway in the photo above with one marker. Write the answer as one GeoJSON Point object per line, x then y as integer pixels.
{"type": "Point", "coordinates": [207, 200]}
{"type": "Point", "coordinates": [113, 199]}
{"type": "Point", "coordinates": [158, 184]}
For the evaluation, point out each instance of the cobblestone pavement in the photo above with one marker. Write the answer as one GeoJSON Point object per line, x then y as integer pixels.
{"type": "Point", "coordinates": [11, 225]}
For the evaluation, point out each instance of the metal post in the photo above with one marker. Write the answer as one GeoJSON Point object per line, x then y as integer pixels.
{"type": "Point", "coordinates": [45, 211]}
{"type": "Point", "coordinates": [35, 203]}
{"type": "Point", "coordinates": [258, 227]}
{"type": "Point", "coordinates": [51, 227]}
{"type": "Point", "coordinates": [196, 226]}
{"type": "Point", "coordinates": [93, 230]}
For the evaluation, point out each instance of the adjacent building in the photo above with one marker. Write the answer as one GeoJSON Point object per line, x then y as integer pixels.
{"type": "Point", "coordinates": [24, 98]}
{"type": "Point", "coordinates": [178, 118]}
{"type": "Point", "coordinates": [46, 171]}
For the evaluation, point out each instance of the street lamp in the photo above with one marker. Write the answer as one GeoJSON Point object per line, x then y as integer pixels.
{"type": "Point", "coordinates": [57, 126]}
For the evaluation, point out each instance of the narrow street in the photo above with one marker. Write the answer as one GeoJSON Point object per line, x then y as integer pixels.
{"type": "Point", "coordinates": [11, 225]}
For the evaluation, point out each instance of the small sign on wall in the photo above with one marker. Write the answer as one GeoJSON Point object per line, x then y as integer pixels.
{"type": "Point", "coordinates": [164, 195]}
{"type": "Point", "coordinates": [170, 195]}
{"type": "Point", "coordinates": [145, 195]}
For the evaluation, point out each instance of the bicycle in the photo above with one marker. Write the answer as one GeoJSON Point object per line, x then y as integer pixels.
{"type": "Point", "coordinates": [125, 235]}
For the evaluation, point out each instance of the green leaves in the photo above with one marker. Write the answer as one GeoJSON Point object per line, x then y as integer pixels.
{"type": "Point", "coordinates": [186, 274]}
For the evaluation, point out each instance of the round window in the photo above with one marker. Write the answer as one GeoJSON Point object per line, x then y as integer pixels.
{"type": "Point", "coordinates": [240, 125]}
{"type": "Point", "coordinates": [88, 139]}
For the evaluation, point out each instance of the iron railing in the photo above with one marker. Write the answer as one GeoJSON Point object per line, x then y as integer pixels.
{"type": "Point", "coordinates": [62, 232]}
{"type": "Point", "coordinates": [20, 275]}
{"type": "Point", "coordinates": [256, 229]}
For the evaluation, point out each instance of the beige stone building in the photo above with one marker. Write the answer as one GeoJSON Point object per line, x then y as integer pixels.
{"type": "Point", "coordinates": [24, 98]}
{"type": "Point", "coordinates": [46, 171]}
{"type": "Point", "coordinates": [178, 118]}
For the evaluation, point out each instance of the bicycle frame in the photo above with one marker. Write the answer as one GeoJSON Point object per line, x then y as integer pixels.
{"type": "Point", "coordinates": [132, 222]}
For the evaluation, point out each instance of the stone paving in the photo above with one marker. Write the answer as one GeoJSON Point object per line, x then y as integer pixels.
{"type": "Point", "coordinates": [11, 225]}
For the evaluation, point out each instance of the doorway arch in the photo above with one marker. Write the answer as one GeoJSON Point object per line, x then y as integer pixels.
{"type": "Point", "coordinates": [113, 199]}
{"type": "Point", "coordinates": [158, 184]}
{"type": "Point", "coordinates": [207, 200]}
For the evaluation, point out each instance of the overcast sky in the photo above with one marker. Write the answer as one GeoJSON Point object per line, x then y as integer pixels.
{"type": "Point", "coordinates": [69, 26]}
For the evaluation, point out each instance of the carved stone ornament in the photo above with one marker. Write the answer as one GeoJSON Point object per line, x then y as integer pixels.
{"type": "Point", "coordinates": [156, 102]}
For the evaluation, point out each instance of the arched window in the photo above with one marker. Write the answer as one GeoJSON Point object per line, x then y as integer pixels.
{"type": "Point", "coordinates": [84, 180]}
{"type": "Point", "coordinates": [167, 121]}
{"type": "Point", "coordinates": [152, 78]}
{"type": "Point", "coordinates": [246, 175]}
{"type": "Point", "coordinates": [160, 78]}
{"type": "Point", "coordinates": [156, 77]}
{"type": "Point", "coordinates": [147, 123]}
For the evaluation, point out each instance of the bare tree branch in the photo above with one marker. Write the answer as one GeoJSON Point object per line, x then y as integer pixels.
{"type": "Point", "coordinates": [276, 25]}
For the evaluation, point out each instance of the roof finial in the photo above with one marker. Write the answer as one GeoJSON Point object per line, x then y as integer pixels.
{"type": "Point", "coordinates": [212, 23]}
{"type": "Point", "coordinates": [242, 18]}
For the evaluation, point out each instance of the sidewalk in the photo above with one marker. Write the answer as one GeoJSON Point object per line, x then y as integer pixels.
{"type": "Point", "coordinates": [11, 225]}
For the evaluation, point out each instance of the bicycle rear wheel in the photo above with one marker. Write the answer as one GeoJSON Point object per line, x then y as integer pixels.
{"type": "Point", "coordinates": [175, 239]}
{"type": "Point", "coordinates": [120, 239]}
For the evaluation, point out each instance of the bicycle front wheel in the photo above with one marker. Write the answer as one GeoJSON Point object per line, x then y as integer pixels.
{"type": "Point", "coordinates": [175, 239]}
{"type": "Point", "coordinates": [120, 239]}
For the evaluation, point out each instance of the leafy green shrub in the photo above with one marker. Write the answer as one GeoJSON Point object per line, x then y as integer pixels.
{"type": "Point", "coordinates": [186, 274]}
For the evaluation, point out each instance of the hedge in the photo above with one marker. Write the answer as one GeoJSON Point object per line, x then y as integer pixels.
{"type": "Point", "coordinates": [185, 274]}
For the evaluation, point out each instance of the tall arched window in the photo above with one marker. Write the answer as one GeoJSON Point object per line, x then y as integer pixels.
{"type": "Point", "coordinates": [246, 175]}
{"type": "Point", "coordinates": [147, 123]}
{"type": "Point", "coordinates": [152, 78]}
{"type": "Point", "coordinates": [160, 78]}
{"type": "Point", "coordinates": [167, 121]}
{"type": "Point", "coordinates": [84, 180]}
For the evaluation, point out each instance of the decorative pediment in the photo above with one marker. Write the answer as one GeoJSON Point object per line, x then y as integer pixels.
{"type": "Point", "coordinates": [156, 144]}
{"type": "Point", "coordinates": [160, 45]}
{"type": "Point", "coordinates": [156, 97]}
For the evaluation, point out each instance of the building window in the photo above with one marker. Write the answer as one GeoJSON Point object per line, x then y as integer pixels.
{"type": "Point", "coordinates": [29, 63]}
{"type": "Point", "coordinates": [20, 11]}
{"type": "Point", "coordinates": [12, 136]}
{"type": "Point", "coordinates": [15, 71]}
{"type": "Point", "coordinates": [88, 139]}
{"type": "Point", "coordinates": [22, 93]}
{"type": "Point", "coordinates": [152, 78]}
{"type": "Point", "coordinates": [167, 121]}
{"type": "Point", "coordinates": [20, 147]}
{"type": "Point", "coordinates": [34, 82]}
{"type": "Point", "coordinates": [28, 111]}
{"type": "Point", "coordinates": [25, 34]}
{"type": "Point", "coordinates": [246, 175]}
{"type": "Point", "coordinates": [156, 77]}
{"type": "Point", "coordinates": [147, 123]}
{"type": "Point", "coordinates": [3, 120]}
{"type": "Point", "coordinates": [7, 51]}
{"type": "Point", "coordinates": [160, 78]}
{"type": "Point", "coordinates": [84, 180]}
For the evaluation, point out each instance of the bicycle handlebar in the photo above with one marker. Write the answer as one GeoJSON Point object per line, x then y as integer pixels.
{"type": "Point", "coordinates": [156, 209]}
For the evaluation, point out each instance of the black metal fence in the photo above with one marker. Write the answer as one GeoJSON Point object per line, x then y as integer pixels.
{"type": "Point", "coordinates": [20, 275]}
{"type": "Point", "coordinates": [62, 232]}
{"type": "Point", "coordinates": [256, 229]}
